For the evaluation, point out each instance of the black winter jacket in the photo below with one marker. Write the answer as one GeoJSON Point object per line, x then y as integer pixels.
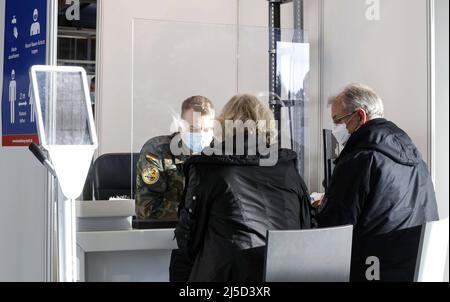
{"type": "Point", "coordinates": [382, 186]}
{"type": "Point", "coordinates": [230, 203]}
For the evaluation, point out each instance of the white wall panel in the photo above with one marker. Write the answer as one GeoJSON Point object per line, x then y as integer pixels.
{"type": "Point", "coordinates": [390, 55]}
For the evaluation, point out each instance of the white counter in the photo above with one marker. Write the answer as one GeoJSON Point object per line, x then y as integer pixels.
{"type": "Point", "coordinates": [135, 255]}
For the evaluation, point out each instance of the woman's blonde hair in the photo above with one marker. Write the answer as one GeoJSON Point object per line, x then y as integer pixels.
{"type": "Point", "coordinates": [254, 114]}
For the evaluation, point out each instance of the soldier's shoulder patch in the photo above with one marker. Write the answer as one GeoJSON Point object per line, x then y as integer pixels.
{"type": "Point", "coordinates": [150, 175]}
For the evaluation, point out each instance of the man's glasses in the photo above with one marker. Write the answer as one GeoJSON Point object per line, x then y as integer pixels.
{"type": "Point", "coordinates": [338, 120]}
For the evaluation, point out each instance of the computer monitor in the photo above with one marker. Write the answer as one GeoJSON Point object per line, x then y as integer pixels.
{"type": "Point", "coordinates": [330, 152]}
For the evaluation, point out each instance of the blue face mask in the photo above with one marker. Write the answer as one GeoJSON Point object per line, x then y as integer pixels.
{"type": "Point", "coordinates": [197, 141]}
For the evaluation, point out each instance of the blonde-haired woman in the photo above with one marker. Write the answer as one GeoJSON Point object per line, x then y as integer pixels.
{"type": "Point", "coordinates": [233, 196]}
{"type": "Point", "coordinates": [249, 110]}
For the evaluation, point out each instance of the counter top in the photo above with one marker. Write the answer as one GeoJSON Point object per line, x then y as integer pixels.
{"type": "Point", "coordinates": [132, 240]}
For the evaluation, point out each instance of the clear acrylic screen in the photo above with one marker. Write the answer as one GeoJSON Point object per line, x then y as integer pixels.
{"type": "Point", "coordinates": [172, 61]}
{"type": "Point", "coordinates": [175, 60]}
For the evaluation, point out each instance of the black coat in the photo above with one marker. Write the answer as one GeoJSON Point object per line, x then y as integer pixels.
{"type": "Point", "coordinates": [382, 186]}
{"type": "Point", "coordinates": [230, 203]}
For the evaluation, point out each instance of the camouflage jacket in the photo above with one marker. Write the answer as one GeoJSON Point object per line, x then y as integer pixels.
{"type": "Point", "coordinates": [159, 180]}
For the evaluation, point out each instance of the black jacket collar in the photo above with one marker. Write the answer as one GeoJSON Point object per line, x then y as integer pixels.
{"type": "Point", "coordinates": [385, 137]}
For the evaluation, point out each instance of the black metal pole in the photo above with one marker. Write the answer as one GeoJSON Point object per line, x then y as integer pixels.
{"type": "Point", "coordinates": [274, 37]}
{"type": "Point", "coordinates": [298, 110]}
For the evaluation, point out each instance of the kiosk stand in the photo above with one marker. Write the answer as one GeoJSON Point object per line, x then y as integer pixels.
{"type": "Point", "coordinates": [66, 130]}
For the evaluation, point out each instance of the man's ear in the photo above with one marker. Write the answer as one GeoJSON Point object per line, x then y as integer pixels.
{"type": "Point", "coordinates": [362, 116]}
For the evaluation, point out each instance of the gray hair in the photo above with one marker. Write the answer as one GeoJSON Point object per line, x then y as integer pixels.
{"type": "Point", "coordinates": [356, 96]}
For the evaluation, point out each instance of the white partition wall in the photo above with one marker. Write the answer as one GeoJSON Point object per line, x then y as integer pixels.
{"type": "Point", "coordinates": [387, 47]}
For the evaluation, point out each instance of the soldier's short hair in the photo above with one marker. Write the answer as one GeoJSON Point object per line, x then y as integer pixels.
{"type": "Point", "coordinates": [198, 104]}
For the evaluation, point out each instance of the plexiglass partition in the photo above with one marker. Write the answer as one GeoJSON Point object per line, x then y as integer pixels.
{"type": "Point", "coordinates": [175, 60]}
{"type": "Point", "coordinates": [67, 132]}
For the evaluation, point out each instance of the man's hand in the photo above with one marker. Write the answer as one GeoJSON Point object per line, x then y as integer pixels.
{"type": "Point", "coordinates": [316, 199]}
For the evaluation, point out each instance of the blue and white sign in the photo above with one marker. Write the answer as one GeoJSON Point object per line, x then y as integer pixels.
{"type": "Point", "coordinates": [25, 46]}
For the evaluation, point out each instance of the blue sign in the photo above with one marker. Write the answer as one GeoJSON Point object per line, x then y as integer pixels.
{"type": "Point", "coordinates": [25, 46]}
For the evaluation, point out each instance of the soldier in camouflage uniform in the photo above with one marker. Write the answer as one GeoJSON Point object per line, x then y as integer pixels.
{"type": "Point", "coordinates": [159, 179]}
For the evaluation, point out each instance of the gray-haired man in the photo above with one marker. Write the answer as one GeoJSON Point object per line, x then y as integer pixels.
{"type": "Point", "coordinates": [380, 185]}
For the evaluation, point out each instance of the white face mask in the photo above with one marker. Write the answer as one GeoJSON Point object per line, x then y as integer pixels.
{"type": "Point", "coordinates": [341, 133]}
